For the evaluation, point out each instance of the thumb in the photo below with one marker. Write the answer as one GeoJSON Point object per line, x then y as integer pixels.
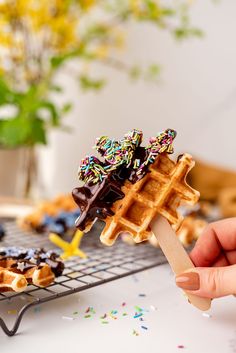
{"type": "Point", "coordinates": [209, 282]}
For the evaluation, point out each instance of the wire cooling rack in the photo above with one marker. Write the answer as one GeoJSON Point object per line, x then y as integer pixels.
{"type": "Point", "coordinates": [104, 264]}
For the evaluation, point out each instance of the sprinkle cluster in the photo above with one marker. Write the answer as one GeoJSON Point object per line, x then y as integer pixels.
{"type": "Point", "coordinates": [91, 170]}
{"type": "Point", "coordinates": [163, 142]}
{"type": "Point", "coordinates": [122, 152]}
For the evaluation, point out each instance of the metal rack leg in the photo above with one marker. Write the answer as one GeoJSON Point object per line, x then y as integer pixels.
{"type": "Point", "coordinates": [13, 331]}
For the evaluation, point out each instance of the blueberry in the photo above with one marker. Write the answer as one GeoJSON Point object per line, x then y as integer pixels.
{"type": "Point", "coordinates": [56, 228]}
{"type": "Point", "coordinates": [47, 220]}
{"type": "Point", "coordinates": [76, 213]}
{"type": "Point", "coordinates": [63, 215]}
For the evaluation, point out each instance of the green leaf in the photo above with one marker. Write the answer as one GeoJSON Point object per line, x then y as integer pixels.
{"type": "Point", "coordinates": [51, 108]}
{"type": "Point", "coordinates": [153, 71]}
{"type": "Point", "coordinates": [135, 72]}
{"type": "Point", "coordinates": [66, 108]}
{"type": "Point", "coordinates": [14, 132]}
{"type": "Point", "coordinates": [88, 83]}
{"type": "Point", "coordinates": [154, 11]}
{"type": "Point", "coordinates": [58, 60]}
{"type": "Point", "coordinates": [19, 132]}
{"type": "Point", "coordinates": [7, 96]}
{"type": "Point", "coordinates": [183, 33]}
{"type": "Point", "coordinates": [38, 132]}
{"type": "Point", "coordinates": [56, 88]}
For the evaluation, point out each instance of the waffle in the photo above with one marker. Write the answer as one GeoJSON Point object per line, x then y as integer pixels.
{"type": "Point", "coordinates": [160, 191]}
{"type": "Point", "coordinates": [11, 281]}
{"type": "Point", "coordinates": [11, 278]}
{"type": "Point", "coordinates": [19, 267]}
{"type": "Point", "coordinates": [47, 213]}
{"type": "Point", "coordinates": [227, 202]}
{"type": "Point", "coordinates": [191, 229]}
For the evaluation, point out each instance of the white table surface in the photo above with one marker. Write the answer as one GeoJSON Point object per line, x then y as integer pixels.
{"type": "Point", "coordinates": [174, 322]}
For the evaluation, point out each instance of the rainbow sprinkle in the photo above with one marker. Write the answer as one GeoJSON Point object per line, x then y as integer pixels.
{"type": "Point", "coordinates": [122, 152]}
{"type": "Point", "coordinates": [91, 170]}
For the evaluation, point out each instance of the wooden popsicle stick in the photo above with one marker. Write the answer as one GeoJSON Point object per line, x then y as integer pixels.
{"type": "Point", "coordinates": [176, 256]}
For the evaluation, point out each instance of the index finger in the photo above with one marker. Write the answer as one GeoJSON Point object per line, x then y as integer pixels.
{"type": "Point", "coordinates": [217, 237]}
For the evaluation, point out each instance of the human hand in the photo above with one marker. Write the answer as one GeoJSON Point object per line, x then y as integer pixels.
{"type": "Point", "coordinates": [214, 256]}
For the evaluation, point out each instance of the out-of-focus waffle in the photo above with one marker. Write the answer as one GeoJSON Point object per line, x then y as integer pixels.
{"type": "Point", "coordinates": [56, 216]}
{"type": "Point", "coordinates": [19, 267]}
{"type": "Point", "coordinates": [210, 180]}
{"type": "Point", "coordinates": [160, 191]}
{"type": "Point", "coordinates": [227, 202]}
{"type": "Point", "coordinates": [190, 230]}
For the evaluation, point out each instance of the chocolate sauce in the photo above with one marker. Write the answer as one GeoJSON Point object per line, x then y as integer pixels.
{"type": "Point", "coordinates": [95, 200]}
{"type": "Point", "coordinates": [179, 157]}
{"type": "Point", "coordinates": [31, 258]}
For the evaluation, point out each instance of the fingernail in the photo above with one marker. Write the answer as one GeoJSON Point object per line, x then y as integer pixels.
{"type": "Point", "coordinates": [188, 281]}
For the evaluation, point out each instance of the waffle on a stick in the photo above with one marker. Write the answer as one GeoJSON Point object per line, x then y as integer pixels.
{"type": "Point", "coordinates": [133, 185]}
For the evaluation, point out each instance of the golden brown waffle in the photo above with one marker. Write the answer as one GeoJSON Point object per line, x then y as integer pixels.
{"type": "Point", "coordinates": [160, 191]}
{"type": "Point", "coordinates": [11, 281]}
{"type": "Point", "coordinates": [41, 276]}
{"type": "Point", "coordinates": [15, 275]}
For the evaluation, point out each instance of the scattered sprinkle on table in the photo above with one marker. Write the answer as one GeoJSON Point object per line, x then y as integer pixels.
{"type": "Point", "coordinates": [12, 312]}
{"type": "Point", "coordinates": [37, 309]}
{"type": "Point", "coordinates": [153, 307]}
{"type": "Point", "coordinates": [135, 278]}
{"type": "Point", "coordinates": [136, 312]}
{"type": "Point", "coordinates": [142, 295]}
{"type": "Point", "coordinates": [135, 333]}
{"type": "Point", "coordinates": [67, 318]}
{"type": "Point", "coordinates": [137, 315]}
{"type": "Point", "coordinates": [114, 312]}
{"type": "Point", "coordinates": [206, 315]}
{"type": "Point", "coordinates": [181, 346]}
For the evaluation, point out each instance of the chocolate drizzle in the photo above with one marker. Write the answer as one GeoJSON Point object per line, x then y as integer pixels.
{"type": "Point", "coordinates": [30, 258]}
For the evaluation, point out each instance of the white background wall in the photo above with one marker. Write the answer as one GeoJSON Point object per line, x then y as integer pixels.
{"type": "Point", "coordinates": [196, 96]}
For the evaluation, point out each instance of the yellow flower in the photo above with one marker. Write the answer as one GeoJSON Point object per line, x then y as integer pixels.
{"type": "Point", "coordinates": [135, 7]}
{"type": "Point", "coordinates": [101, 52]}
{"type": "Point", "coordinates": [87, 4]}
